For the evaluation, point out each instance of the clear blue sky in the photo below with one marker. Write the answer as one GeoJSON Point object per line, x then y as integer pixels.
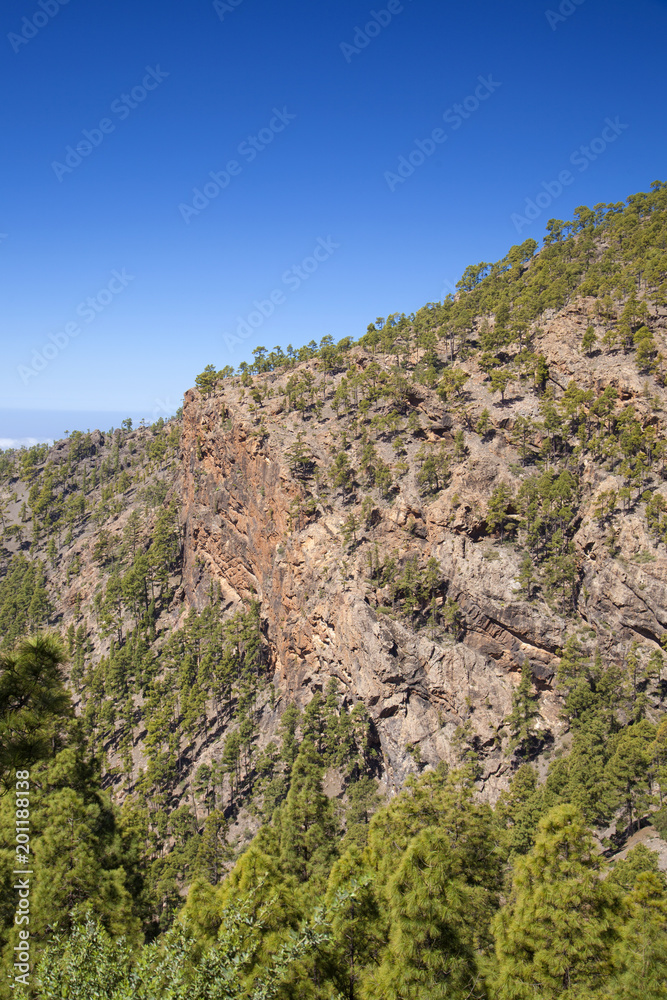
{"type": "Point", "coordinates": [345, 117]}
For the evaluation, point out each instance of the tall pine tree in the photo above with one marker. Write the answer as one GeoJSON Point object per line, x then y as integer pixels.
{"type": "Point", "coordinates": [556, 932]}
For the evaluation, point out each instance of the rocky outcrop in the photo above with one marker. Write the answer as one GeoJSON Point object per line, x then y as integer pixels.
{"type": "Point", "coordinates": [259, 533]}
{"type": "Point", "coordinates": [322, 618]}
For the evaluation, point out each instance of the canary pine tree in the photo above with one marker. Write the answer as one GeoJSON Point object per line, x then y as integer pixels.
{"type": "Point", "coordinates": [435, 912]}
{"type": "Point", "coordinates": [641, 955]}
{"type": "Point", "coordinates": [556, 932]}
{"type": "Point", "coordinates": [35, 707]}
{"type": "Point", "coordinates": [356, 932]}
{"type": "Point", "coordinates": [306, 821]}
{"type": "Point", "coordinates": [522, 719]}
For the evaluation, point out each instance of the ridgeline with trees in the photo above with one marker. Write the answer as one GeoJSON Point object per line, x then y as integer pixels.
{"type": "Point", "coordinates": [232, 792]}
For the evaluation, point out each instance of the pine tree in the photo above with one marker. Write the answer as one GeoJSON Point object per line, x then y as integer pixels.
{"type": "Point", "coordinates": [645, 345]}
{"type": "Point", "coordinates": [453, 617]}
{"type": "Point", "coordinates": [35, 708]}
{"type": "Point", "coordinates": [522, 432]}
{"type": "Point", "coordinates": [132, 530]}
{"type": "Point", "coordinates": [497, 515]}
{"type": "Point", "coordinates": [274, 904]}
{"type": "Point", "coordinates": [526, 578]}
{"type": "Point", "coordinates": [289, 722]}
{"type": "Point", "coordinates": [441, 799]}
{"type": "Point", "coordinates": [213, 850]}
{"type": "Point", "coordinates": [356, 937]}
{"type": "Point", "coordinates": [313, 721]}
{"type": "Point", "coordinates": [519, 809]}
{"type": "Point", "coordinates": [307, 823]}
{"type": "Point", "coordinates": [525, 711]}
{"type": "Point", "coordinates": [500, 379]}
{"type": "Point", "coordinates": [637, 678]}
{"type": "Point", "coordinates": [556, 932]}
{"type": "Point", "coordinates": [342, 473]}
{"type": "Point", "coordinates": [641, 954]}
{"type": "Point", "coordinates": [483, 424]}
{"type": "Point", "coordinates": [52, 552]}
{"type": "Point", "coordinates": [363, 802]}
{"type": "Point", "coordinates": [111, 610]}
{"type": "Point", "coordinates": [637, 861]}
{"type": "Point", "coordinates": [588, 340]}
{"type": "Point", "coordinates": [589, 786]}
{"type": "Point", "coordinates": [207, 380]}
{"type": "Point", "coordinates": [165, 546]}
{"type": "Point", "coordinates": [350, 528]}
{"type": "Point", "coordinates": [573, 676]}
{"type": "Point", "coordinates": [628, 770]}
{"type": "Point", "coordinates": [81, 857]}
{"type": "Point", "coordinates": [72, 851]}
{"type": "Point", "coordinates": [300, 459]}
{"type": "Point", "coordinates": [435, 918]}
{"type": "Point", "coordinates": [231, 763]}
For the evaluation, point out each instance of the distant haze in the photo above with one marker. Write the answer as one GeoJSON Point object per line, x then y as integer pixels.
{"type": "Point", "coordinates": [27, 427]}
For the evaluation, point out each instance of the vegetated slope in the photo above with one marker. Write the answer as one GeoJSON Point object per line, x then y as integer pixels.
{"type": "Point", "coordinates": [428, 511]}
{"type": "Point", "coordinates": [444, 542]}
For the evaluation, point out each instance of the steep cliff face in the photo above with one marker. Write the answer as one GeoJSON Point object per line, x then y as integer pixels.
{"type": "Point", "coordinates": [261, 532]}
{"type": "Point", "coordinates": [425, 515]}
{"type": "Point", "coordinates": [623, 568]}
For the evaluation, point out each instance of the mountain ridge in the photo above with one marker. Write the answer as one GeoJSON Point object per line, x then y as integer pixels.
{"type": "Point", "coordinates": [443, 546]}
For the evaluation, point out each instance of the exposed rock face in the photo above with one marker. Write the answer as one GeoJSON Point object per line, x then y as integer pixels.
{"type": "Point", "coordinates": [309, 549]}
{"type": "Point", "coordinates": [321, 619]}
{"type": "Point", "coordinates": [325, 618]}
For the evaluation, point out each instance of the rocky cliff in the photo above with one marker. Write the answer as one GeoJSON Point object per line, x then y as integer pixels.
{"type": "Point", "coordinates": [427, 515]}
{"type": "Point", "coordinates": [329, 614]}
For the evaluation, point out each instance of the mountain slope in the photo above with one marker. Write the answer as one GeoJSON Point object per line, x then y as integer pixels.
{"type": "Point", "coordinates": [385, 546]}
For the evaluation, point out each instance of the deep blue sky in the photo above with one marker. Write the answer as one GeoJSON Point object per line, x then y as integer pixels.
{"type": "Point", "coordinates": [322, 176]}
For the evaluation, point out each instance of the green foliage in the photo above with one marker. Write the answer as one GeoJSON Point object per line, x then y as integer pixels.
{"type": "Point", "coordinates": [452, 382]}
{"type": "Point", "coordinates": [410, 888]}
{"type": "Point", "coordinates": [588, 340]}
{"type": "Point", "coordinates": [436, 911]}
{"type": "Point", "coordinates": [434, 472]}
{"type": "Point", "coordinates": [640, 956]}
{"type": "Point", "coordinates": [500, 380]}
{"type": "Point", "coordinates": [410, 893]}
{"type": "Point", "coordinates": [499, 509]}
{"type": "Point", "coordinates": [81, 857]}
{"type": "Point", "coordinates": [521, 721]}
{"type": "Point", "coordinates": [207, 381]}
{"type": "Point", "coordinates": [519, 810]}
{"type": "Point", "coordinates": [90, 963]}
{"type": "Point", "coordinates": [557, 931]}
{"type": "Point", "coordinates": [300, 459]}
{"type": "Point", "coordinates": [306, 823]}
{"type": "Point", "coordinates": [35, 708]}
{"type": "Point", "coordinates": [24, 599]}
{"type": "Point", "coordinates": [483, 425]}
